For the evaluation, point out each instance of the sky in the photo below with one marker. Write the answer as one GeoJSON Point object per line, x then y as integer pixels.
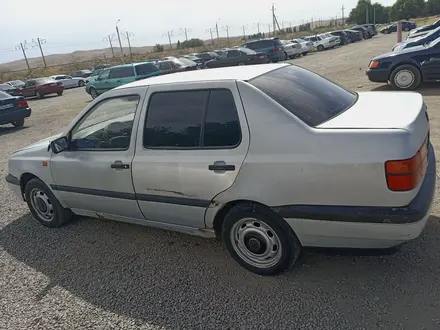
{"type": "Point", "coordinates": [66, 26]}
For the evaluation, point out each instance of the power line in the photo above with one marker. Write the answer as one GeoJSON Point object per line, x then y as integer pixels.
{"type": "Point", "coordinates": [184, 32]}
{"type": "Point", "coordinates": [211, 33]}
{"type": "Point", "coordinates": [23, 47]}
{"type": "Point", "coordinates": [127, 36]}
{"type": "Point", "coordinates": [169, 34]}
{"type": "Point", "coordinates": [110, 38]}
{"type": "Point", "coordinates": [37, 43]}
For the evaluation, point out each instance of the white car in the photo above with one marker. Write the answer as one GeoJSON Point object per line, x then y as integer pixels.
{"type": "Point", "coordinates": [270, 158]}
{"type": "Point", "coordinates": [70, 82]}
{"type": "Point", "coordinates": [321, 43]}
{"type": "Point", "coordinates": [306, 46]}
{"type": "Point", "coordinates": [291, 49]}
{"type": "Point", "coordinates": [328, 35]}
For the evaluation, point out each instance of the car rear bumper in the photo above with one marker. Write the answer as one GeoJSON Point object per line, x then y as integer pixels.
{"type": "Point", "coordinates": [378, 75]}
{"type": "Point", "coordinates": [9, 117]}
{"type": "Point", "coordinates": [360, 226]}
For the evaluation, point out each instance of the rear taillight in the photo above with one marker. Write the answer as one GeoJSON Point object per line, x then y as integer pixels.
{"type": "Point", "coordinates": [276, 49]}
{"type": "Point", "coordinates": [22, 104]}
{"type": "Point", "coordinates": [405, 175]}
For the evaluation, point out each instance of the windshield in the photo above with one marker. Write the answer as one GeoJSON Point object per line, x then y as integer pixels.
{"type": "Point", "coordinates": [248, 51]}
{"type": "Point", "coordinates": [307, 95]}
{"type": "Point", "coordinates": [16, 82]}
{"type": "Point", "coordinates": [186, 61]}
{"type": "Point", "coordinates": [41, 81]}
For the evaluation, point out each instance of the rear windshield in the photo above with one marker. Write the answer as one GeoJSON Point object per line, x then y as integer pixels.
{"type": "Point", "coordinates": [308, 96]}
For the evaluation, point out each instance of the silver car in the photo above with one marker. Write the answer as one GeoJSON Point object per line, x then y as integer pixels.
{"type": "Point", "coordinates": [70, 82]}
{"type": "Point", "coordinates": [270, 158]}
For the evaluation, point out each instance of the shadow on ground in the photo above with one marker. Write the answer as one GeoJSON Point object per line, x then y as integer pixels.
{"type": "Point", "coordinates": [426, 89]}
{"type": "Point", "coordinates": [10, 129]}
{"type": "Point", "coordinates": [166, 278]}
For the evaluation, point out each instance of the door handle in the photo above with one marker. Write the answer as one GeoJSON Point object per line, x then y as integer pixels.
{"type": "Point", "coordinates": [118, 165]}
{"type": "Point", "coordinates": [221, 166]}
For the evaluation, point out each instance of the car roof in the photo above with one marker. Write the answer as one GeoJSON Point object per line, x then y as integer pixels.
{"type": "Point", "coordinates": [244, 72]}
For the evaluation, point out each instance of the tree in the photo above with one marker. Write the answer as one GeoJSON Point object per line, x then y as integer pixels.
{"type": "Point", "coordinates": [405, 9]}
{"type": "Point", "coordinates": [158, 48]}
{"type": "Point", "coordinates": [376, 13]}
{"type": "Point", "coordinates": [192, 43]}
{"type": "Point", "coordinates": [178, 44]}
{"type": "Point", "coordinates": [432, 7]}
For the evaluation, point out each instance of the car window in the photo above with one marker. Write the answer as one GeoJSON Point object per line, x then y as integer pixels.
{"type": "Point", "coordinates": [107, 126]}
{"type": "Point", "coordinates": [165, 66]}
{"type": "Point", "coordinates": [222, 126]}
{"type": "Point", "coordinates": [104, 75]}
{"type": "Point", "coordinates": [174, 119]}
{"type": "Point", "coordinates": [121, 72]}
{"type": "Point", "coordinates": [308, 96]}
{"type": "Point", "coordinates": [247, 51]}
{"type": "Point", "coordinates": [146, 68]}
{"type": "Point", "coordinates": [233, 53]}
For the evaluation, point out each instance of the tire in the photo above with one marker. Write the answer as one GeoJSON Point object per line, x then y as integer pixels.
{"type": "Point", "coordinates": [38, 95]}
{"type": "Point", "coordinates": [285, 57]}
{"type": "Point", "coordinates": [258, 225]}
{"type": "Point", "coordinates": [401, 74]}
{"type": "Point", "coordinates": [305, 53]}
{"type": "Point", "coordinates": [81, 83]}
{"type": "Point", "coordinates": [406, 29]}
{"type": "Point", "coordinates": [60, 93]}
{"type": "Point", "coordinates": [320, 48]}
{"type": "Point", "coordinates": [44, 206]}
{"type": "Point", "coordinates": [93, 93]}
{"type": "Point", "coordinates": [18, 123]}
{"type": "Point", "coordinates": [240, 63]}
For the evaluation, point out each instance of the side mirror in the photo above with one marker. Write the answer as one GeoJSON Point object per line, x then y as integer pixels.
{"type": "Point", "coordinates": [59, 145]}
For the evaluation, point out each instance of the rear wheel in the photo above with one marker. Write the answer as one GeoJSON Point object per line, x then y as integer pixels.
{"type": "Point", "coordinates": [81, 83]}
{"type": "Point", "coordinates": [18, 123]}
{"type": "Point", "coordinates": [240, 63]}
{"type": "Point", "coordinates": [405, 77]}
{"type": "Point", "coordinates": [285, 57]}
{"type": "Point", "coordinates": [320, 48]}
{"type": "Point", "coordinates": [259, 240]}
{"type": "Point", "coordinates": [44, 206]}
{"type": "Point", "coordinates": [60, 93]}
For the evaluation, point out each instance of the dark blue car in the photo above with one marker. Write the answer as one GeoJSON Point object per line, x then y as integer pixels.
{"type": "Point", "coordinates": [407, 68]}
{"type": "Point", "coordinates": [426, 39]}
{"type": "Point", "coordinates": [406, 26]}
{"type": "Point", "coordinates": [13, 109]}
{"type": "Point", "coordinates": [273, 47]}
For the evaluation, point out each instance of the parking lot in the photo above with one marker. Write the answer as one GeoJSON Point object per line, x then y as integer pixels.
{"type": "Point", "coordinates": [96, 274]}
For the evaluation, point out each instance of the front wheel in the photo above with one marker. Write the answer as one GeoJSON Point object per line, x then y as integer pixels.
{"type": "Point", "coordinates": [259, 240]}
{"type": "Point", "coordinates": [93, 93]}
{"type": "Point", "coordinates": [320, 48]}
{"type": "Point", "coordinates": [405, 77]}
{"type": "Point", "coordinates": [240, 63]}
{"type": "Point", "coordinates": [60, 93]}
{"type": "Point", "coordinates": [81, 83]}
{"type": "Point", "coordinates": [44, 206]}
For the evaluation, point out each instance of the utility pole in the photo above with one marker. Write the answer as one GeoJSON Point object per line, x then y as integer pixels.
{"type": "Point", "coordinates": [109, 38]}
{"type": "Point", "coordinates": [170, 34]}
{"type": "Point", "coordinates": [216, 29]}
{"type": "Point", "coordinates": [38, 43]}
{"type": "Point", "coordinates": [127, 36]}
{"type": "Point", "coordinates": [257, 25]}
{"type": "Point", "coordinates": [343, 15]}
{"type": "Point", "coordinates": [226, 28]}
{"type": "Point", "coordinates": [212, 36]}
{"type": "Point", "coordinates": [273, 19]}
{"type": "Point", "coordinates": [120, 43]}
{"type": "Point", "coordinates": [23, 47]}
{"type": "Point", "coordinates": [269, 28]}
{"type": "Point", "coordinates": [184, 32]}
{"type": "Point", "coordinates": [244, 32]}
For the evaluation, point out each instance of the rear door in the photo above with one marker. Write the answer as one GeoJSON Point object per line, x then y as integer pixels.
{"type": "Point", "coordinates": [121, 75]}
{"type": "Point", "coordinates": [29, 88]}
{"type": "Point", "coordinates": [431, 64]}
{"type": "Point", "coordinates": [191, 144]}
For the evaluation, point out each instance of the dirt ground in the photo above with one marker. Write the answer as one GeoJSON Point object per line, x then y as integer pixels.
{"type": "Point", "coordinates": [95, 274]}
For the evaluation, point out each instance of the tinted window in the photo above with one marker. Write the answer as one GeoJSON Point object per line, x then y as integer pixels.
{"type": "Point", "coordinates": [233, 53]}
{"type": "Point", "coordinates": [248, 51]}
{"type": "Point", "coordinates": [104, 75]}
{"type": "Point", "coordinates": [146, 68]}
{"type": "Point", "coordinates": [108, 125]}
{"type": "Point", "coordinates": [310, 97]}
{"type": "Point", "coordinates": [121, 72]}
{"type": "Point", "coordinates": [165, 66]}
{"type": "Point", "coordinates": [174, 119]}
{"type": "Point", "coordinates": [256, 45]}
{"type": "Point", "coordinates": [222, 126]}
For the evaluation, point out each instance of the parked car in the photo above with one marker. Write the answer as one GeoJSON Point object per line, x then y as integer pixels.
{"type": "Point", "coordinates": [16, 83]}
{"type": "Point", "coordinates": [343, 36]}
{"type": "Point", "coordinates": [11, 90]}
{"type": "Point", "coordinates": [425, 28]}
{"type": "Point", "coordinates": [291, 49]}
{"type": "Point", "coordinates": [82, 74]}
{"type": "Point", "coordinates": [407, 68]}
{"type": "Point", "coordinates": [191, 65]}
{"type": "Point", "coordinates": [195, 59]}
{"type": "Point", "coordinates": [406, 26]}
{"type": "Point", "coordinates": [320, 43]}
{"type": "Point", "coordinates": [417, 35]}
{"type": "Point", "coordinates": [306, 46]}
{"type": "Point", "coordinates": [13, 109]}
{"type": "Point", "coordinates": [70, 82]}
{"type": "Point", "coordinates": [371, 27]}
{"type": "Point", "coordinates": [93, 76]}
{"type": "Point", "coordinates": [190, 152]}
{"type": "Point", "coordinates": [329, 35]}
{"type": "Point", "coordinates": [223, 52]}
{"type": "Point", "coordinates": [273, 47]}
{"type": "Point", "coordinates": [119, 75]}
{"type": "Point", "coordinates": [176, 65]}
{"type": "Point", "coordinates": [355, 35]}
{"type": "Point", "coordinates": [431, 36]}
{"type": "Point", "coordinates": [41, 87]}
{"type": "Point", "coordinates": [239, 56]}
{"type": "Point", "coordinates": [206, 56]}
{"type": "Point", "coordinates": [365, 33]}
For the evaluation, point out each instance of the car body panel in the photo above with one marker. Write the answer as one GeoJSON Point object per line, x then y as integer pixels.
{"type": "Point", "coordinates": [10, 111]}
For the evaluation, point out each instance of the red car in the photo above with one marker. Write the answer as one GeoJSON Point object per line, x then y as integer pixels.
{"type": "Point", "coordinates": [41, 87]}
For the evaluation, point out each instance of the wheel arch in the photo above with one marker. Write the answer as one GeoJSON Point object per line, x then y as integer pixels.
{"type": "Point", "coordinates": [24, 179]}
{"type": "Point", "coordinates": [394, 67]}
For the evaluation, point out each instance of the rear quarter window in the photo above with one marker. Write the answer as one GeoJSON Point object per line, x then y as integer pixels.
{"type": "Point", "coordinates": [146, 68]}
{"type": "Point", "coordinates": [308, 96]}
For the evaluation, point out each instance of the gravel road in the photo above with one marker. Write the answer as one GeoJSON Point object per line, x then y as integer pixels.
{"type": "Point", "coordinates": [95, 274]}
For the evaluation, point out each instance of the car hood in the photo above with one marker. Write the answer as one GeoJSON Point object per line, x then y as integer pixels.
{"type": "Point", "coordinates": [42, 144]}
{"type": "Point", "coordinates": [399, 52]}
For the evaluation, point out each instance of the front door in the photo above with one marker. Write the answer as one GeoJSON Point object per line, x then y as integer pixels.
{"type": "Point", "coordinates": [29, 88]}
{"type": "Point", "coordinates": [190, 148]}
{"type": "Point", "coordinates": [101, 84]}
{"type": "Point", "coordinates": [94, 176]}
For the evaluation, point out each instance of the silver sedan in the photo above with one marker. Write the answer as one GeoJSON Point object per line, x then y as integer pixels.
{"type": "Point", "coordinates": [70, 82]}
